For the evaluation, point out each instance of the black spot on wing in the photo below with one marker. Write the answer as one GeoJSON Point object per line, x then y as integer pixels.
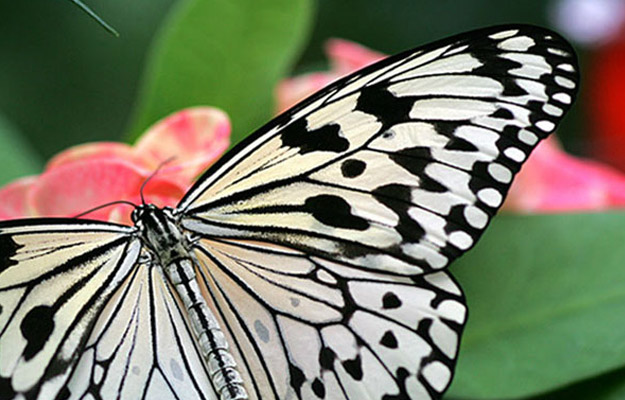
{"type": "Point", "coordinates": [325, 138]}
{"type": "Point", "coordinates": [390, 301]}
{"type": "Point", "coordinates": [460, 144]}
{"type": "Point", "coordinates": [334, 211]}
{"type": "Point", "coordinates": [389, 340]}
{"type": "Point", "coordinates": [326, 358]}
{"type": "Point", "coordinates": [297, 379]}
{"type": "Point", "coordinates": [318, 388]}
{"type": "Point", "coordinates": [8, 249]}
{"type": "Point", "coordinates": [354, 368]}
{"type": "Point", "coordinates": [385, 106]}
{"type": "Point", "coordinates": [352, 168]}
{"type": "Point", "coordinates": [36, 327]}
{"type": "Point", "coordinates": [503, 113]}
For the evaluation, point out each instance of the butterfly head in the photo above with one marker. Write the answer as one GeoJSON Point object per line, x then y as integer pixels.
{"type": "Point", "coordinates": [139, 213]}
{"type": "Point", "coordinates": [159, 232]}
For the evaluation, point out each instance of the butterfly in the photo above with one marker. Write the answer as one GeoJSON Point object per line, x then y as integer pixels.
{"type": "Point", "coordinates": [309, 262]}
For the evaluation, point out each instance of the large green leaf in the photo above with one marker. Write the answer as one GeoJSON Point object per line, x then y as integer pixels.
{"type": "Point", "coordinates": [546, 297]}
{"type": "Point", "coordinates": [17, 156]}
{"type": "Point", "coordinates": [609, 386]}
{"type": "Point", "coordinates": [228, 54]}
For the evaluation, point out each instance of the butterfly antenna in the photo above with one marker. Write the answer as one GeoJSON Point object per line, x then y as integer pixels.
{"type": "Point", "coordinates": [95, 17]}
{"type": "Point", "coordinates": [112, 203]}
{"type": "Point", "coordinates": [152, 175]}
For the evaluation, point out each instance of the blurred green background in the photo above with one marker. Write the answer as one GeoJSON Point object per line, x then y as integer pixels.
{"type": "Point", "coordinates": [64, 80]}
{"type": "Point", "coordinates": [546, 298]}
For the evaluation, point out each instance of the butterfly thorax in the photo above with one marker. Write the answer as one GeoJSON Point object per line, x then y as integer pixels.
{"type": "Point", "coordinates": [169, 249]}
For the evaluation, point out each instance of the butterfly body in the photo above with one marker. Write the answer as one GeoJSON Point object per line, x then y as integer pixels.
{"type": "Point", "coordinates": [170, 250]}
{"type": "Point", "coordinates": [309, 262]}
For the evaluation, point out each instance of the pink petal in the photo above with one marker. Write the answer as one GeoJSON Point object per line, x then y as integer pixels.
{"type": "Point", "coordinates": [552, 181]}
{"type": "Point", "coordinates": [347, 56]}
{"type": "Point", "coordinates": [13, 195]}
{"type": "Point", "coordinates": [74, 188]}
{"type": "Point", "coordinates": [158, 190]}
{"type": "Point", "coordinates": [193, 139]}
{"type": "Point", "coordinates": [291, 91]}
{"type": "Point", "coordinates": [98, 151]}
{"type": "Point", "coordinates": [163, 191]}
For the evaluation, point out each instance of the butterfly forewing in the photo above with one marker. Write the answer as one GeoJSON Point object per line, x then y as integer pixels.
{"type": "Point", "coordinates": [400, 166]}
{"type": "Point", "coordinates": [55, 277]}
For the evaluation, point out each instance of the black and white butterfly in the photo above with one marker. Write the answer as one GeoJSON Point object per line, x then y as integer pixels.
{"type": "Point", "coordinates": [308, 263]}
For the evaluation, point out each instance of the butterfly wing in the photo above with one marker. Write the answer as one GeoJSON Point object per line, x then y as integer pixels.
{"type": "Point", "coordinates": [302, 327]}
{"type": "Point", "coordinates": [55, 277]}
{"type": "Point", "coordinates": [353, 200]}
{"type": "Point", "coordinates": [400, 166]}
{"type": "Point", "coordinates": [141, 347]}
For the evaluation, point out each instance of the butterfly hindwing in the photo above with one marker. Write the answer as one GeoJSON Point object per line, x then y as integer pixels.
{"type": "Point", "coordinates": [55, 277]}
{"type": "Point", "coordinates": [400, 166]}
{"type": "Point", "coordinates": [308, 328]}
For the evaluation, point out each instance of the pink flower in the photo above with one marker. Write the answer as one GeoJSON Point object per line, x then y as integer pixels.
{"type": "Point", "coordinates": [553, 181]}
{"type": "Point", "coordinates": [550, 181]}
{"type": "Point", "coordinates": [345, 57]}
{"type": "Point", "coordinates": [92, 174]}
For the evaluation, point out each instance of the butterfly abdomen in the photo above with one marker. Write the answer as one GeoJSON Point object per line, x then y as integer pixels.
{"type": "Point", "coordinates": [168, 249]}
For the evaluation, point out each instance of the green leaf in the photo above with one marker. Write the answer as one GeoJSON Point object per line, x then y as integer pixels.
{"type": "Point", "coordinates": [609, 386]}
{"type": "Point", "coordinates": [227, 54]}
{"type": "Point", "coordinates": [18, 158]}
{"type": "Point", "coordinates": [546, 297]}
